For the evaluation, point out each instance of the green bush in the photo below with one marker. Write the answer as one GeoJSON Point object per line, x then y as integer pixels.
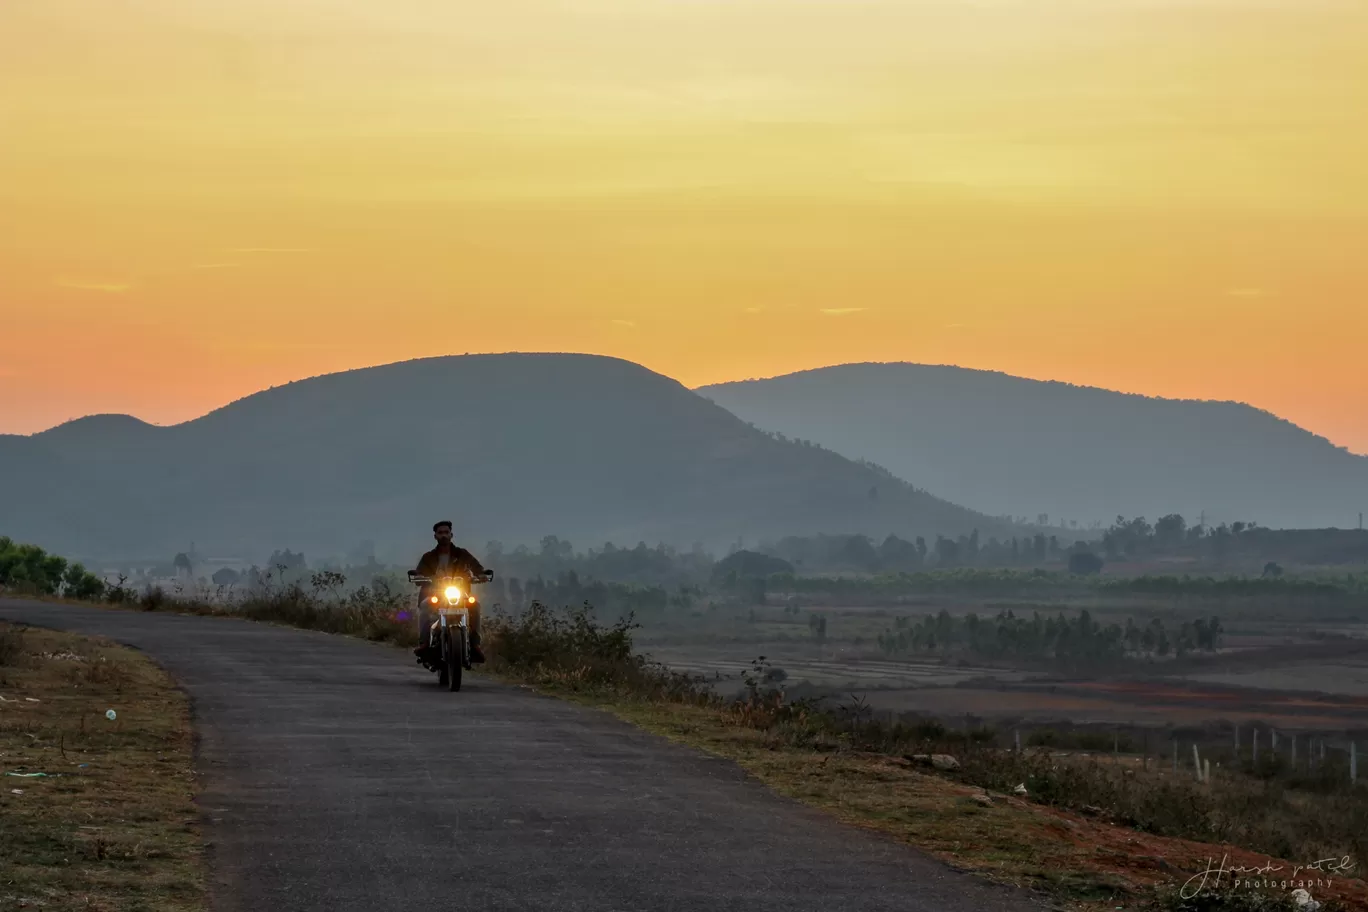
{"type": "Point", "coordinates": [28, 568]}
{"type": "Point", "coordinates": [79, 583]}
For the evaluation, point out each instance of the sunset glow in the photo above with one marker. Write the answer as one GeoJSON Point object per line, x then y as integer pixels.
{"type": "Point", "coordinates": [202, 198]}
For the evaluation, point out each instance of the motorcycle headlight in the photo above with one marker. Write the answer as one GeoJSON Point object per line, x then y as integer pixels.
{"type": "Point", "coordinates": [453, 593]}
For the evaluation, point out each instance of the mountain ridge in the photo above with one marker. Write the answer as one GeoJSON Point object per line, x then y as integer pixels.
{"type": "Point", "coordinates": [936, 424]}
{"type": "Point", "coordinates": [514, 446]}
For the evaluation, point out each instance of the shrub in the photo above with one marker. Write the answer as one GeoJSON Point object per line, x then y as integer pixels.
{"type": "Point", "coordinates": [29, 568]}
{"type": "Point", "coordinates": [78, 583]}
{"type": "Point", "coordinates": [572, 649]}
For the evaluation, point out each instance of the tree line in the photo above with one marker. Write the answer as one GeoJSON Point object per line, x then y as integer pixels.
{"type": "Point", "coordinates": [1080, 640]}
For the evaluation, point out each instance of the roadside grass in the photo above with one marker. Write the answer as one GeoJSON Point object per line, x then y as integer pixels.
{"type": "Point", "coordinates": [370, 614]}
{"type": "Point", "coordinates": [112, 824]}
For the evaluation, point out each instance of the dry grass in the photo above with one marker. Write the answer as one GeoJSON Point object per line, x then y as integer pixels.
{"type": "Point", "coordinates": [113, 825]}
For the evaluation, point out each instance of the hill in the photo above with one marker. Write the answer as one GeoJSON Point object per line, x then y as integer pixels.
{"type": "Point", "coordinates": [1004, 444]}
{"type": "Point", "coordinates": [511, 447]}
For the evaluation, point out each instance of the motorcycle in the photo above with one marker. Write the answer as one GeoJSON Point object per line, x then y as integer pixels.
{"type": "Point", "coordinates": [450, 598]}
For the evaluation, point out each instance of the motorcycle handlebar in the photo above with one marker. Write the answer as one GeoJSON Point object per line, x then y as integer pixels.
{"type": "Point", "coordinates": [486, 577]}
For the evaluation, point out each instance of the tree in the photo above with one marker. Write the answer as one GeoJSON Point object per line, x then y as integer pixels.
{"type": "Point", "coordinates": [225, 576]}
{"type": "Point", "coordinates": [555, 548]}
{"type": "Point", "coordinates": [947, 551]}
{"type": "Point", "coordinates": [898, 553]}
{"type": "Point", "coordinates": [858, 552]}
{"type": "Point", "coordinates": [1085, 563]}
{"type": "Point", "coordinates": [749, 565]}
{"type": "Point", "coordinates": [78, 583]}
{"type": "Point", "coordinates": [1170, 531]}
{"type": "Point", "coordinates": [182, 564]}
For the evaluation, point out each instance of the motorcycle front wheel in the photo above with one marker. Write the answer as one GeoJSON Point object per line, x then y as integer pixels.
{"type": "Point", "coordinates": [455, 659]}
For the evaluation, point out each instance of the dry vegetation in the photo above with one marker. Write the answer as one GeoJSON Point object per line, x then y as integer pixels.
{"type": "Point", "coordinates": [95, 814]}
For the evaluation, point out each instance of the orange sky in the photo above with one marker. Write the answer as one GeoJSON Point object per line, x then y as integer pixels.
{"type": "Point", "coordinates": [201, 198]}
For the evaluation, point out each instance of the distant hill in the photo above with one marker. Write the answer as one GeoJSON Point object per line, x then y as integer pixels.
{"type": "Point", "coordinates": [510, 447]}
{"type": "Point", "coordinates": [1008, 445]}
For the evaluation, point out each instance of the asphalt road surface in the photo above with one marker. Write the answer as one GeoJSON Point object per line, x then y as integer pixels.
{"type": "Point", "coordinates": [338, 777]}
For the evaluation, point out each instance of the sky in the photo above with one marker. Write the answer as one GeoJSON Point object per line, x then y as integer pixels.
{"type": "Point", "coordinates": [203, 198]}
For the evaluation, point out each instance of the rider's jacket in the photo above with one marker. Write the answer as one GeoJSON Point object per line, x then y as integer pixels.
{"type": "Point", "coordinates": [457, 559]}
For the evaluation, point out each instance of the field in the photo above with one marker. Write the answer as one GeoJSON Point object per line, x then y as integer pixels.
{"type": "Point", "coordinates": [1293, 668]}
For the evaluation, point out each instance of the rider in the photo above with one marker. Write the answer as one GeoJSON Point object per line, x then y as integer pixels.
{"type": "Point", "coordinates": [441, 560]}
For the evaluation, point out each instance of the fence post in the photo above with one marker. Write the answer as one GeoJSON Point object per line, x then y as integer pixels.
{"type": "Point", "coordinates": [1197, 761]}
{"type": "Point", "coordinates": [1353, 762]}
{"type": "Point", "coordinates": [1018, 740]}
{"type": "Point", "coordinates": [1175, 754]}
{"type": "Point", "coordinates": [1273, 734]}
{"type": "Point", "coordinates": [1255, 743]}
{"type": "Point", "coordinates": [1294, 753]}
{"type": "Point", "coordinates": [1237, 741]}
{"type": "Point", "coordinates": [1206, 770]}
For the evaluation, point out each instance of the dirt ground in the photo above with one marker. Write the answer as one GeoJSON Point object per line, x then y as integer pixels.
{"type": "Point", "coordinates": [96, 812]}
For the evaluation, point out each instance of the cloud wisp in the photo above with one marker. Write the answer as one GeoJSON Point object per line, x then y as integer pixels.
{"type": "Point", "coordinates": [102, 287]}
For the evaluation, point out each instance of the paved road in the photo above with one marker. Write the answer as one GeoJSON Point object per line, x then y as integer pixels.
{"type": "Point", "coordinates": [338, 777]}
